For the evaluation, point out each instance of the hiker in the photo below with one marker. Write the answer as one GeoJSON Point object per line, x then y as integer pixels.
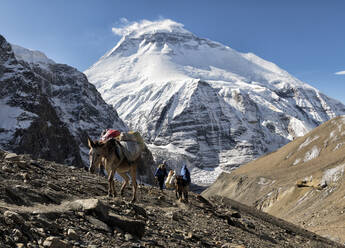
{"type": "Point", "coordinates": [185, 175]}
{"type": "Point", "coordinates": [186, 181]}
{"type": "Point", "coordinates": [160, 174]}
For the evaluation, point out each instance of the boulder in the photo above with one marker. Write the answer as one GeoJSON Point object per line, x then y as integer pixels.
{"type": "Point", "coordinates": [55, 242]}
{"type": "Point", "coordinates": [71, 234]}
{"type": "Point", "coordinates": [13, 218]}
{"type": "Point", "coordinates": [98, 224]}
{"type": "Point", "coordinates": [92, 207]}
{"type": "Point", "coordinates": [133, 227]}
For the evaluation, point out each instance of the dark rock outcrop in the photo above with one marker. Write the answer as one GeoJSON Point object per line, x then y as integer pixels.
{"type": "Point", "coordinates": [48, 111]}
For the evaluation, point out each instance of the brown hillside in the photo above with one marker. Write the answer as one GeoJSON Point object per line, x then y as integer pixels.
{"type": "Point", "coordinates": [303, 182]}
{"type": "Point", "coordinates": [44, 204]}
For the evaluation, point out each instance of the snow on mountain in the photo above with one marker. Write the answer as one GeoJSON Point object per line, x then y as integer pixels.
{"type": "Point", "coordinates": [48, 109]}
{"type": "Point", "coordinates": [199, 102]}
{"type": "Point", "coordinates": [31, 56]}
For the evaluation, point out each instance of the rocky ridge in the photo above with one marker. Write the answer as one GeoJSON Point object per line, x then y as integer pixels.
{"type": "Point", "coordinates": [49, 110]}
{"type": "Point", "coordinates": [45, 204]}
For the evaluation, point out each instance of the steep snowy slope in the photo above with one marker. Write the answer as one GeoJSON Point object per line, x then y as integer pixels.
{"type": "Point", "coordinates": [201, 102]}
{"type": "Point", "coordinates": [47, 109]}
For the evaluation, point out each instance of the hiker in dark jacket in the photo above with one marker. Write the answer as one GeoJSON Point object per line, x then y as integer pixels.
{"type": "Point", "coordinates": [160, 174]}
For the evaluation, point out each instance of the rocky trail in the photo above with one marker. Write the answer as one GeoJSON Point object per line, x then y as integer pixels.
{"type": "Point", "coordinates": [45, 204]}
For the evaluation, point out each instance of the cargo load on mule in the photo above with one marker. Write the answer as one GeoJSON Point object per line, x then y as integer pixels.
{"type": "Point", "coordinates": [170, 181]}
{"type": "Point", "coordinates": [131, 141]}
{"type": "Point", "coordinates": [109, 134]}
{"type": "Point", "coordinates": [133, 144]}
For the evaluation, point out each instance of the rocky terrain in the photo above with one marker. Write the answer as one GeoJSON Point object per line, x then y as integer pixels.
{"type": "Point", "coordinates": [200, 101]}
{"type": "Point", "coordinates": [303, 182]}
{"type": "Point", "coordinates": [45, 204]}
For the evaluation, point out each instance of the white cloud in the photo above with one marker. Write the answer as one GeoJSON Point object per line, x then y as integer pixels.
{"type": "Point", "coordinates": [120, 28]}
{"type": "Point", "coordinates": [124, 20]}
{"type": "Point", "coordinates": [126, 27]}
{"type": "Point", "coordinates": [340, 73]}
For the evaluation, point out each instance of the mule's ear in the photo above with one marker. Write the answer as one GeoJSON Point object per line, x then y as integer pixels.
{"type": "Point", "coordinates": [90, 142]}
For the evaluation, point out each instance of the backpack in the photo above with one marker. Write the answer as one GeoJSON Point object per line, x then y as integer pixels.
{"type": "Point", "coordinates": [185, 174]}
{"type": "Point", "coordinates": [159, 172]}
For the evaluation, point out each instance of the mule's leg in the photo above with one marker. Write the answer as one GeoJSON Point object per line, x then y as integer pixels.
{"type": "Point", "coordinates": [178, 193]}
{"type": "Point", "coordinates": [125, 182]}
{"type": "Point", "coordinates": [109, 187]}
{"type": "Point", "coordinates": [177, 190]}
{"type": "Point", "coordinates": [111, 190]}
{"type": "Point", "coordinates": [133, 173]}
{"type": "Point", "coordinates": [185, 193]}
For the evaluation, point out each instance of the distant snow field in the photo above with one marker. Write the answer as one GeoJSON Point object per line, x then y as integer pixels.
{"type": "Point", "coordinates": [333, 175]}
{"type": "Point", "coordinates": [308, 141]}
{"type": "Point", "coordinates": [313, 153]}
{"type": "Point", "coordinates": [31, 56]}
{"type": "Point", "coordinates": [205, 176]}
{"type": "Point", "coordinates": [297, 161]}
{"type": "Point", "coordinates": [10, 117]}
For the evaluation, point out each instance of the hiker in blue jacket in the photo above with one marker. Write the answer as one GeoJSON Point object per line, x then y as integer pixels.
{"type": "Point", "coordinates": [160, 174]}
{"type": "Point", "coordinates": [186, 181]}
{"type": "Point", "coordinates": [185, 175]}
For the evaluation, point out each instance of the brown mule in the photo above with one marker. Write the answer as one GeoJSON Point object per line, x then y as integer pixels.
{"type": "Point", "coordinates": [110, 154]}
{"type": "Point", "coordinates": [181, 189]}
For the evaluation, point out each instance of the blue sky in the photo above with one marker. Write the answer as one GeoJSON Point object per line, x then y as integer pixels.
{"type": "Point", "coordinates": [304, 37]}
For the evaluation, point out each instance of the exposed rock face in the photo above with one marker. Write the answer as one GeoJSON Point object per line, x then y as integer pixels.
{"type": "Point", "coordinates": [48, 109]}
{"type": "Point", "coordinates": [45, 204]}
{"type": "Point", "coordinates": [302, 182]}
{"type": "Point", "coordinates": [201, 102]}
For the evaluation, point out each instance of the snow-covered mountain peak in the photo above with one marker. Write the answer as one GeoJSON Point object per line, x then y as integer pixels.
{"type": "Point", "coordinates": [31, 56]}
{"type": "Point", "coordinates": [146, 27]}
{"type": "Point", "coordinates": [198, 100]}
{"type": "Point", "coordinates": [165, 48]}
{"type": "Point", "coordinates": [139, 34]}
